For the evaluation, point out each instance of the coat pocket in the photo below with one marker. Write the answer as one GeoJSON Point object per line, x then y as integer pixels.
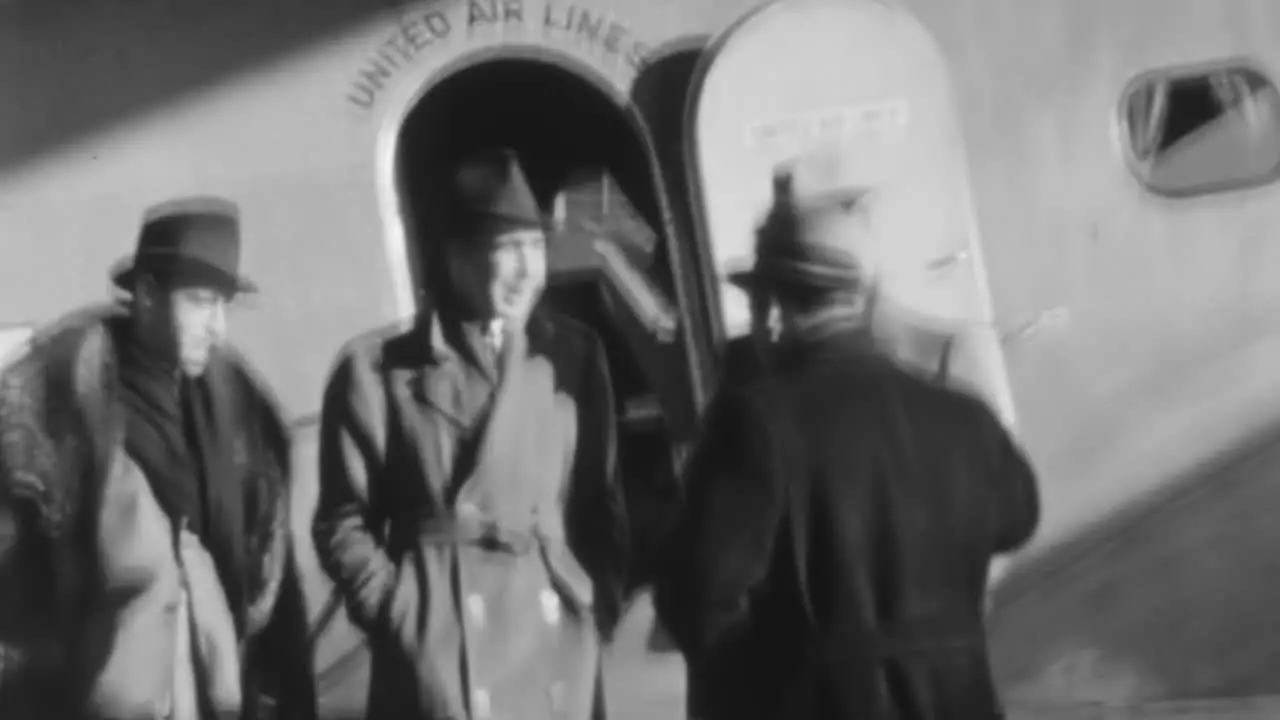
{"type": "Point", "coordinates": [401, 615]}
{"type": "Point", "coordinates": [414, 664]}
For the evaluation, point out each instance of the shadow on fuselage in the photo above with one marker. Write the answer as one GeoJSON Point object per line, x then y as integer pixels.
{"type": "Point", "coordinates": [83, 67]}
{"type": "Point", "coordinates": [1174, 598]}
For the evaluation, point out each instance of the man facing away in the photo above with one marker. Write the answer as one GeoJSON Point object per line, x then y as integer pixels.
{"type": "Point", "coordinates": [143, 482]}
{"type": "Point", "coordinates": [841, 511]}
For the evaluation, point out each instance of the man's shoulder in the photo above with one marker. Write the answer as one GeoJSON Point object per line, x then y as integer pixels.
{"type": "Point", "coordinates": [247, 377]}
{"type": "Point", "coordinates": [364, 359]}
{"type": "Point", "coordinates": [68, 349]}
{"type": "Point", "coordinates": [73, 329]}
{"type": "Point", "coordinates": [366, 351]}
{"type": "Point", "coordinates": [957, 393]}
{"type": "Point", "coordinates": [51, 393]}
{"type": "Point", "coordinates": [882, 379]}
{"type": "Point", "coordinates": [952, 402]}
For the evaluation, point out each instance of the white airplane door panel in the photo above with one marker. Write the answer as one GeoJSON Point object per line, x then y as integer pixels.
{"type": "Point", "coordinates": [866, 80]}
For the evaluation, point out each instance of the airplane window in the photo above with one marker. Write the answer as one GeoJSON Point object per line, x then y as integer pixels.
{"type": "Point", "coordinates": [1192, 131]}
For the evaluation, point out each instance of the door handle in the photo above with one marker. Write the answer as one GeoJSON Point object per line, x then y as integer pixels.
{"type": "Point", "coordinates": [948, 260]}
{"type": "Point", "coordinates": [1053, 317]}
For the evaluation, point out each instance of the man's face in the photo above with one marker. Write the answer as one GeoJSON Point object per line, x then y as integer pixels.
{"type": "Point", "coordinates": [519, 272]}
{"type": "Point", "coordinates": [199, 322]}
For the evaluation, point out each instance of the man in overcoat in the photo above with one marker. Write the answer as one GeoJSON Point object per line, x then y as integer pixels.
{"type": "Point", "coordinates": [144, 500]}
{"type": "Point", "coordinates": [469, 509]}
{"type": "Point", "coordinates": [841, 511]}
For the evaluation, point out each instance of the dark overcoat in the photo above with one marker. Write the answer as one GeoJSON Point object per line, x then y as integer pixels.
{"type": "Point", "coordinates": [832, 555]}
{"type": "Point", "coordinates": [471, 517]}
{"type": "Point", "coordinates": [61, 454]}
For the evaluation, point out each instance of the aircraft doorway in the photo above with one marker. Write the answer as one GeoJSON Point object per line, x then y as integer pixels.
{"type": "Point", "coordinates": [612, 264]}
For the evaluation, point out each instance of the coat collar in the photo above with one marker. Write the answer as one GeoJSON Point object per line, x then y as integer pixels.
{"type": "Point", "coordinates": [844, 344]}
{"type": "Point", "coordinates": [432, 357]}
{"type": "Point", "coordinates": [463, 343]}
{"type": "Point", "coordinates": [431, 341]}
{"type": "Point", "coordinates": [443, 367]}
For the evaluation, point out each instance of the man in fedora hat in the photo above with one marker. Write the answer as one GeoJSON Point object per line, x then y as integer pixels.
{"type": "Point", "coordinates": [469, 512]}
{"type": "Point", "coordinates": [144, 468]}
{"type": "Point", "coordinates": [841, 510]}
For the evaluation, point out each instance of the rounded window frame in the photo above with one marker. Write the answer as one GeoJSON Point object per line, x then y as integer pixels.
{"type": "Point", "coordinates": [1175, 72]}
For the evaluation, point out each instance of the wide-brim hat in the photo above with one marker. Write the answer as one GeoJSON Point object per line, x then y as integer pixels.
{"type": "Point", "coordinates": [493, 195]}
{"type": "Point", "coordinates": [815, 232]}
{"type": "Point", "coordinates": [192, 240]}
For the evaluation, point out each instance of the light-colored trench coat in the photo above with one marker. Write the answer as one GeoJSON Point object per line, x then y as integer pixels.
{"type": "Point", "coordinates": [474, 525]}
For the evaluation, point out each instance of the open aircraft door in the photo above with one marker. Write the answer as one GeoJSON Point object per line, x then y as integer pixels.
{"type": "Point", "coordinates": [864, 79]}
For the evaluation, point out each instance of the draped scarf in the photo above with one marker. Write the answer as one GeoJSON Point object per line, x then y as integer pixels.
{"type": "Point", "coordinates": [174, 432]}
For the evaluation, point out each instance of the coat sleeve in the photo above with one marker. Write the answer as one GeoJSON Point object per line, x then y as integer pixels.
{"type": "Point", "coordinates": [278, 669]}
{"type": "Point", "coordinates": [599, 532]}
{"type": "Point", "coordinates": [1017, 499]}
{"type": "Point", "coordinates": [352, 441]}
{"type": "Point", "coordinates": [48, 395]}
{"type": "Point", "coordinates": [19, 531]}
{"type": "Point", "coordinates": [26, 456]}
{"type": "Point", "coordinates": [723, 543]}
{"type": "Point", "coordinates": [267, 503]}
{"type": "Point", "coordinates": [282, 668]}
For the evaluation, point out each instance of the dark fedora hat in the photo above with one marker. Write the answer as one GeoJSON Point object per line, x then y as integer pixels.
{"type": "Point", "coordinates": [492, 194]}
{"type": "Point", "coordinates": [193, 239]}
{"type": "Point", "coordinates": [807, 237]}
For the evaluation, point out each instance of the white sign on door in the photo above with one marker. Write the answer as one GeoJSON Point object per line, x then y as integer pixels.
{"type": "Point", "coordinates": [791, 134]}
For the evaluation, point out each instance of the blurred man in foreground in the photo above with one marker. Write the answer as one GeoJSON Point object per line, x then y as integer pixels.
{"type": "Point", "coordinates": [841, 510]}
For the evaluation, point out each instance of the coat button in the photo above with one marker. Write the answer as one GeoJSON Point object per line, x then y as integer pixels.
{"type": "Point", "coordinates": [550, 606]}
{"type": "Point", "coordinates": [475, 606]}
{"type": "Point", "coordinates": [480, 703]}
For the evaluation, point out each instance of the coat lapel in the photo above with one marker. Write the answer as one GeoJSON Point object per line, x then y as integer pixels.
{"type": "Point", "coordinates": [517, 458]}
{"type": "Point", "coordinates": [451, 385]}
{"type": "Point", "coordinates": [443, 396]}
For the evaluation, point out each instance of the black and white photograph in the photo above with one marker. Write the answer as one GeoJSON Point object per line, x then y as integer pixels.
{"type": "Point", "coordinates": [639, 359]}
